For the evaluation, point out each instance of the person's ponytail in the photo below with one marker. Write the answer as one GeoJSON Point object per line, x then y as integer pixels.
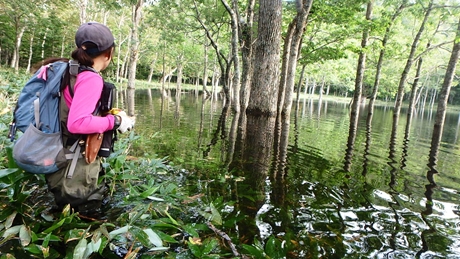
{"type": "Point", "coordinates": [82, 57]}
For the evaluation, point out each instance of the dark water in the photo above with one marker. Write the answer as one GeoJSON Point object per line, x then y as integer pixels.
{"type": "Point", "coordinates": [382, 207]}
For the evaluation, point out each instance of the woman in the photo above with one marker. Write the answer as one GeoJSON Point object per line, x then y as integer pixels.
{"type": "Point", "coordinates": [95, 47]}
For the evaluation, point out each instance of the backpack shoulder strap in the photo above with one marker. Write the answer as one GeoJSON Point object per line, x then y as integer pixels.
{"type": "Point", "coordinates": [70, 77]}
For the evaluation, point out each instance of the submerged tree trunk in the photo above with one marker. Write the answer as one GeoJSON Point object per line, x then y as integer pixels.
{"type": "Point", "coordinates": [261, 112]}
{"type": "Point", "coordinates": [354, 114]}
{"type": "Point", "coordinates": [134, 56]}
{"type": "Point", "coordinates": [444, 93]}
{"type": "Point", "coordinates": [413, 96]}
{"type": "Point", "coordinates": [291, 54]}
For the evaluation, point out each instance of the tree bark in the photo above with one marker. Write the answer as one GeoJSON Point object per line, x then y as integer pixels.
{"type": "Point", "coordinates": [205, 67]}
{"type": "Point", "coordinates": [409, 62]}
{"type": "Point", "coordinates": [43, 43]}
{"type": "Point", "coordinates": [179, 76]}
{"type": "Point", "coordinates": [385, 39]}
{"type": "Point", "coordinates": [152, 67]}
{"type": "Point", "coordinates": [234, 55]}
{"type": "Point", "coordinates": [31, 51]}
{"type": "Point", "coordinates": [17, 46]}
{"type": "Point", "coordinates": [134, 55]}
{"type": "Point", "coordinates": [83, 5]}
{"type": "Point", "coordinates": [246, 43]}
{"type": "Point", "coordinates": [261, 111]}
{"type": "Point", "coordinates": [354, 114]}
{"type": "Point", "coordinates": [444, 95]}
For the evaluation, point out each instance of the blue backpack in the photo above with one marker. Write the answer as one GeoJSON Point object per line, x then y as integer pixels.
{"type": "Point", "coordinates": [44, 87]}
{"type": "Point", "coordinates": [40, 150]}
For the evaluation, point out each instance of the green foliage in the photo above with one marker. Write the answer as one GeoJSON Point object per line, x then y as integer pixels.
{"type": "Point", "coordinates": [148, 219]}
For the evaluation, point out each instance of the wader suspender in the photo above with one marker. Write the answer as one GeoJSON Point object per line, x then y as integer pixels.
{"type": "Point", "coordinates": [74, 68]}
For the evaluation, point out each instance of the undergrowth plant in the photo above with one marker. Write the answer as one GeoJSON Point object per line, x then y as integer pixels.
{"type": "Point", "coordinates": [149, 216]}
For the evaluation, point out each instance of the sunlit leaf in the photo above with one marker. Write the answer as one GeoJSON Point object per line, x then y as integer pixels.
{"type": "Point", "coordinates": [153, 237]}
{"type": "Point", "coordinates": [119, 231]}
{"type": "Point", "coordinates": [155, 198]}
{"type": "Point", "coordinates": [79, 251]}
{"type": "Point", "coordinates": [10, 219]}
{"type": "Point", "coordinates": [92, 247]}
{"type": "Point", "coordinates": [48, 217]}
{"type": "Point", "coordinates": [24, 236]}
{"type": "Point", "coordinates": [158, 249]}
{"type": "Point", "coordinates": [12, 231]}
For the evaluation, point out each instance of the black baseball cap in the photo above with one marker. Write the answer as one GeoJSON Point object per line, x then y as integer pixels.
{"type": "Point", "coordinates": [96, 33]}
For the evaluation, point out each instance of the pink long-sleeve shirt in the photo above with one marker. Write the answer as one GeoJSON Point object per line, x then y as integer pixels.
{"type": "Point", "coordinates": [87, 92]}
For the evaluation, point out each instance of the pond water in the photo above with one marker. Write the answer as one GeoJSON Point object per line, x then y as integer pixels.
{"type": "Point", "coordinates": [381, 206]}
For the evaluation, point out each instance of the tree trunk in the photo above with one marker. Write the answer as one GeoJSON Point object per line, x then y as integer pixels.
{"type": "Point", "coordinates": [17, 47]}
{"type": "Point", "coordinates": [236, 79]}
{"type": "Point", "coordinates": [385, 39]}
{"type": "Point", "coordinates": [120, 43]}
{"type": "Point", "coordinates": [246, 43]}
{"type": "Point", "coordinates": [290, 57]}
{"type": "Point", "coordinates": [354, 115]}
{"type": "Point", "coordinates": [179, 76]}
{"type": "Point", "coordinates": [413, 94]}
{"type": "Point", "coordinates": [83, 5]}
{"type": "Point", "coordinates": [125, 63]}
{"type": "Point", "coordinates": [261, 111]}
{"type": "Point", "coordinates": [31, 51]}
{"type": "Point", "coordinates": [134, 56]}
{"type": "Point", "coordinates": [205, 67]}
{"type": "Point", "coordinates": [224, 64]}
{"type": "Point", "coordinates": [299, 85]}
{"type": "Point", "coordinates": [152, 67]}
{"type": "Point", "coordinates": [409, 62]}
{"type": "Point", "coordinates": [43, 43]}
{"type": "Point", "coordinates": [444, 93]}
